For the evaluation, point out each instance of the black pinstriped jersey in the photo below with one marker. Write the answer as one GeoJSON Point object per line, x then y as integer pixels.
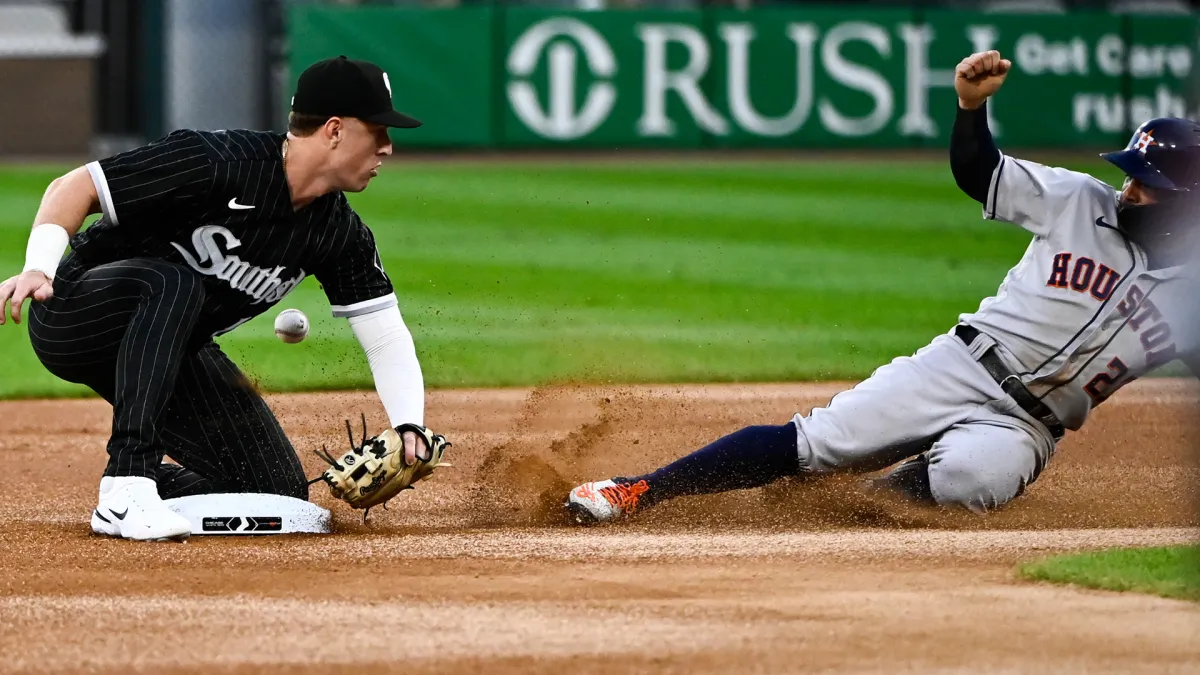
{"type": "Point", "coordinates": [219, 203]}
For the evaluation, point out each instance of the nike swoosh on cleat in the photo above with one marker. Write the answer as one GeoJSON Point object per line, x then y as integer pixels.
{"type": "Point", "coordinates": [121, 515]}
{"type": "Point", "coordinates": [101, 516]}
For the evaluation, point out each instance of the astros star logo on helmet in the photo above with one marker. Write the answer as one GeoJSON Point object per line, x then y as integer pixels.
{"type": "Point", "coordinates": [1145, 140]}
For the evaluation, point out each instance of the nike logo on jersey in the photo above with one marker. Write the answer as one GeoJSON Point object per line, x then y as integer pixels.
{"type": "Point", "coordinates": [236, 206]}
{"type": "Point", "coordinates": [1100, 223]}
{"type": "Point", "coordinates": [262, 284]}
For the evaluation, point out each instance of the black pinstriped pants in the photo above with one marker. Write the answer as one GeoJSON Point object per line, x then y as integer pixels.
{"type": "Point", "coordinates": [125, 330]}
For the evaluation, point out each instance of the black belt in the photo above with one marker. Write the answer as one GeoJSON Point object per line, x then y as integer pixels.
{"type": "Point", "coordinates": [1011, 384]}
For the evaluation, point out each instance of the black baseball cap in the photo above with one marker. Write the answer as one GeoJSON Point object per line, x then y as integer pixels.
{"type": "Point", "coordinates": [345, 87]}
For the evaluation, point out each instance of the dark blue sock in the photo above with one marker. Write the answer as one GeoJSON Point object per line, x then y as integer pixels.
{"type": "Point", "coordinates": [745, 459]}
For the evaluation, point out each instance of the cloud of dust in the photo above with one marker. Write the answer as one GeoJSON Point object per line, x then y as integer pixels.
{"type": "Point", "coordinates": [630, 432]}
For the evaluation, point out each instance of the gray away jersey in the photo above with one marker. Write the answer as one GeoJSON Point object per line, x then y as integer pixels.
{"type": "Point", "coordinates": [1081, 314]}
{"type": "Point", "coordinates": [219, 203]}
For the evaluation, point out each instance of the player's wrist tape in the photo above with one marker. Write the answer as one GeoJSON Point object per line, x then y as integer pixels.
{"type": "Point", "coordinates": [47, 244]}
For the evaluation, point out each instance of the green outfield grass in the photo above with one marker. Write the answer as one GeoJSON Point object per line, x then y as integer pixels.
{"type": "Point", "coordinates": [535, 272]}
{"type": "Point", "coordinates": [1172, 572]}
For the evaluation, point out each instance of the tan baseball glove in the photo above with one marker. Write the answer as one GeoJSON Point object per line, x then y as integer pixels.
{"type": "Point", "coordinates": [374, 471]}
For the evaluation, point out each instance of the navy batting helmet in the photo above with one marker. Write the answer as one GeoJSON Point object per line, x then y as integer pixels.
{"type": "Point", "coordinates": [1164, 154]}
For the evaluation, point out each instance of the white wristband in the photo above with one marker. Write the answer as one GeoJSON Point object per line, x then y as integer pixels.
{"type": "Point", "coordinates": [47, 244]}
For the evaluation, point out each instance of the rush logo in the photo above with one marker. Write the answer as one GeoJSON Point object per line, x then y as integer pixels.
{"type": "Point", "coordinates": [1084, 276]}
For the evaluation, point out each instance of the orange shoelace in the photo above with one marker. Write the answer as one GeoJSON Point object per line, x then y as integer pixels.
{"type": "Point", "coordinates": [625, 496]}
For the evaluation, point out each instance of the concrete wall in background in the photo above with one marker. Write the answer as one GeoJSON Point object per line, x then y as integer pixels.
{"type": "Point", "coordinates": [213, 64]}
{"type": "Point", "coordinates": [47, 76]}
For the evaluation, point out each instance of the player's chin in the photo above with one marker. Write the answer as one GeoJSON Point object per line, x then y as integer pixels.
{"type": "Point", "coordinates": [362, 183]}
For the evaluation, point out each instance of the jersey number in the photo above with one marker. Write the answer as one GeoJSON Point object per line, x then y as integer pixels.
{"type": "Point", "coordinates": [1104, 385]}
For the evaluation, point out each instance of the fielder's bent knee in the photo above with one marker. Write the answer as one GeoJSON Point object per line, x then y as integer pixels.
{"type": "Point", "coordinates": [296, 486]}
{"type": "Point", "coordinates": [291, 485]}
{"type": "Point", "coordinates": [187, 284]}
{"type": "Point", "coordinates": [166, 278]}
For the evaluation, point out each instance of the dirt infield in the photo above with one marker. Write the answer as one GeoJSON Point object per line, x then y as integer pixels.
{"type": "Point", "coordinates": [473, 572]}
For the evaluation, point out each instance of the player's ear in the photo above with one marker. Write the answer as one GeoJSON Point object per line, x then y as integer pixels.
{"type": "Point", "coordinates": [334, 130]}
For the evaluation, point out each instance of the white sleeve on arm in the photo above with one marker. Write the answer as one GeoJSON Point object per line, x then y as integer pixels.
{"type": "Point", "coordinates": [1041, 198]}
{"type": "Point", "coordinates": [393, 357]}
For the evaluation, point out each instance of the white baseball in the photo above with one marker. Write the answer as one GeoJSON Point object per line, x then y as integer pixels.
{"type": "Point", "coordinates": [291, 326]}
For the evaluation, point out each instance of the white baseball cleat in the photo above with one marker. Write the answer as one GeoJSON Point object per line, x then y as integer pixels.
{"type": "Point", "coordinates": [605, 500]}
{"type": "Point", "coordinates": [131, 508]}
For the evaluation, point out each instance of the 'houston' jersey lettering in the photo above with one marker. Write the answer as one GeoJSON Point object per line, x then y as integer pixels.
{"type": "Point", "coordinates": [219, 203]}
{"type": "Point", "coordinates": [1082, 313]}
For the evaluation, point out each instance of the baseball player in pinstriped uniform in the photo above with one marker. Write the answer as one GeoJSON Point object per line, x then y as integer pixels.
{"type": "Point", "coordinates": [1103, 295]}
{"type": "Point", "coordinates": [202, 231]}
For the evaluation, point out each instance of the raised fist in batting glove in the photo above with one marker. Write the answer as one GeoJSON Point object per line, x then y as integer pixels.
{"type": "Point", "coordinates": [978, 76]}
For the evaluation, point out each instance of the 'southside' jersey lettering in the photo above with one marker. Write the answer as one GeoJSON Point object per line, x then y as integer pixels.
{"type": "Point", "coordinates": [264, 285]}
